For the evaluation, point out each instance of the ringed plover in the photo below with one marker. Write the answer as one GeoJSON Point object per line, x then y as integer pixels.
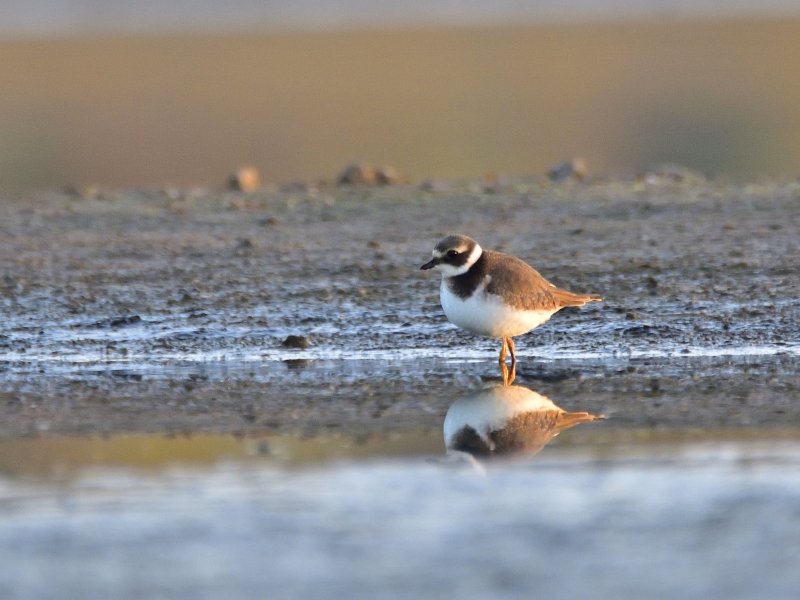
{"type": "Point", "coordinates": [494, 294]}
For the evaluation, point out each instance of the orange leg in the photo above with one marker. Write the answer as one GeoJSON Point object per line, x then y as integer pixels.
{"type": "Point", "coordinates": [508, 374]}
{"type": "Point", "coordinates": [503, 352]}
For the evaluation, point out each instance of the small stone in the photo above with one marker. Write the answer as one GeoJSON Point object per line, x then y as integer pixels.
{"type": "Point", "coordinates": [388, 175]}
{"type": "Point", "coordinates": [366, 174]}
{"type": "Point", "coordinates": [574, 169]}
{"type": "Point", "coordinates": [296, 363]}
{"type": "Point", "coordinates": [669, 173]}
{"type": "Point", "coordinates": [246, 179]}
{"type": "Point", "coordinates": [72, 191]}
{"type": "Point", "coordinates": [123, 321]}
{"type": "Point", "coordinates": [296, 341]}
{"type": "Point", "coordinates": [358, 173]}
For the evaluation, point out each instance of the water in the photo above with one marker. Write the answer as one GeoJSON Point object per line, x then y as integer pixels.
{"type": "Point", "coordinates": [690, 520]}
{"type": "Point", "coordinates": [398, 510]}
{"type": "Point", "coordinates": [158, 439]}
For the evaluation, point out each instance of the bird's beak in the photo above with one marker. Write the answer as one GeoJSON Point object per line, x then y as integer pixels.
{"type": "Point", "coordinates": [430, 264]}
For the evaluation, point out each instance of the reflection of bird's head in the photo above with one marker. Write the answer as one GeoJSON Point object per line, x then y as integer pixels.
{"type": "Point", "coordinates": [506, 421]}
{"type": "Point", "coordinates": [454, 255]}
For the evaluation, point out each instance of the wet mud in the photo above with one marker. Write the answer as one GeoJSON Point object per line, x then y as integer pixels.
{"type": "Point", "coordinates": [149, 311]}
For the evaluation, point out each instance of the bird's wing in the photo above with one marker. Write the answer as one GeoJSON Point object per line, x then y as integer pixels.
{"type": "Point", "coordinates": [528, 289]}
{"type": "Point", "coordinates": [530, 431]}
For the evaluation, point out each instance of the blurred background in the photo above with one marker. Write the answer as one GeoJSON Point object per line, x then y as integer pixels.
{"type": "Point", "coordinates": [182, 92]}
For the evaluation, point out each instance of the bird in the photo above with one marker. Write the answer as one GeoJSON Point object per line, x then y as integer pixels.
{"type": "Point", "coordinates": [506, 421]}
{"type": "Point", "coordinates": [494, 294]}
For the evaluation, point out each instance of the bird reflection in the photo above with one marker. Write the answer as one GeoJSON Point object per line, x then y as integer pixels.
{"type": "Point", "coordinates": [506, 421]}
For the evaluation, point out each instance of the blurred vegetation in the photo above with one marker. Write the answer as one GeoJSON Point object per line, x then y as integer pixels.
{"type": "Point", "coordinates": [720, 96]}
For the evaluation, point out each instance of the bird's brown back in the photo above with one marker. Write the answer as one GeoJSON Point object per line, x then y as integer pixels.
{"type": "Point", "coordinates": [524, 287]}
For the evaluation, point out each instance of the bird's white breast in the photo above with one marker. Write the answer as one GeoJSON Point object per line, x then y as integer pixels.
{"type": "Point", "coordinates": [486, 314]}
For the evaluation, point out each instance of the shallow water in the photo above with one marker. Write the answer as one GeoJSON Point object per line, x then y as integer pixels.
{"type": "Point", "coordinates": [157, 439]}
{"type": "Point", "coordinates": [697, 520]}
{"type": "Point", "coordinates": [608, 508]}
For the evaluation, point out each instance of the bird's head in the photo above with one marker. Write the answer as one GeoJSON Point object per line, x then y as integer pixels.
{"type": "Point", "coordinates": [454, 255]}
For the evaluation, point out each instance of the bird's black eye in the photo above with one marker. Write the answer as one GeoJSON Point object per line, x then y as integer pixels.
{"type": "Point", "coordinates": [452, 253]}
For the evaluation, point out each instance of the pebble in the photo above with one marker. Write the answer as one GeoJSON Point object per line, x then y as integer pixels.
{"type": "Point", "coordinates": [245, 179]}
{"type": "Point", "coordinates": [358, 173]}
{"type": "Point", "coordinates": [669, 173]}
{"type": "Point", "coordinates": [296, 341]}
{"type": "Point", "coordinates": [366, 174]}
{"type": "Point", "coordinates": [570, 169]}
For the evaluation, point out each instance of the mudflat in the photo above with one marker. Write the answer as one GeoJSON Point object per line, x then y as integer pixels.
{"type": "Point", "coordinates": [167, 311]}
{"type": "Point", "coordinates": [205, 394]}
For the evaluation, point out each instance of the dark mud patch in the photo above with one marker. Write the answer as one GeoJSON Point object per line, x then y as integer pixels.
{"type": "Point", "coordinates": [114, 323]}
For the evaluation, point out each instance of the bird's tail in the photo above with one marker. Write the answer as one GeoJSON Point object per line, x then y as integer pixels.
{"type": "Point", "coordinates": [567, 419]}
{"type": "Point", "coordinates": [566, 298]}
